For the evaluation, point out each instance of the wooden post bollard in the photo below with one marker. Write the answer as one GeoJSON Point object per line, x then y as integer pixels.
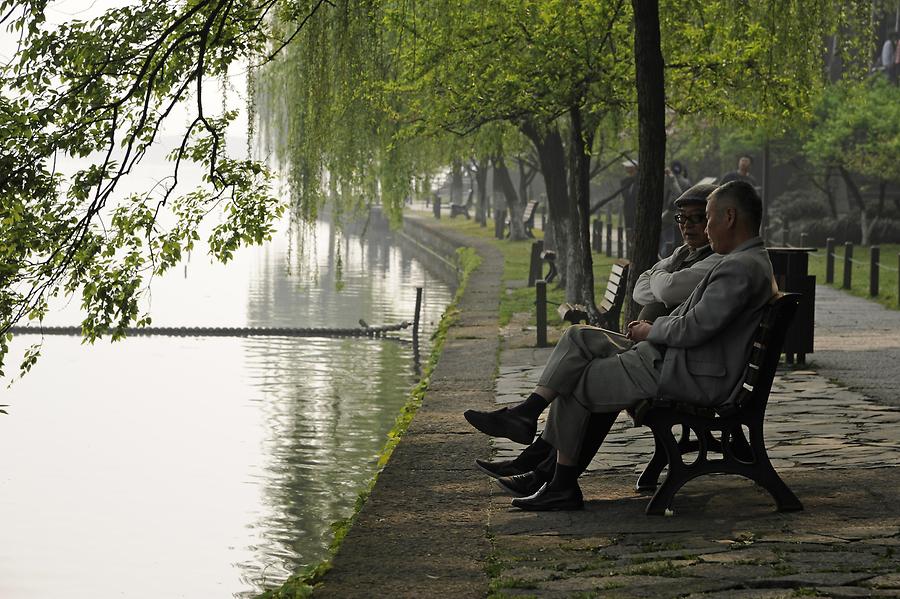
{"type": "Point", "coordinates": [416, 315]}
{"type": "Point", "coordinates": [804, 240]}
{"type": "Point", "coordinates": [436, 207]}
{"type": "Point", "coordinates": [874, 265]}
{"type": "Point", "coordinates": [848, 264]}
{"type": "Point", "coordinates": [596, 244]}
{"type": "Point", "coordinates": [540, 304]}
{"type": "Point", "coordinates": [534, 268]}
{"type": "Point", "coordinates": [829, 260]}
{"type": "Point", "coordinates": [609, 239]}
{"type": "Point", "coordinates": [619, 248]}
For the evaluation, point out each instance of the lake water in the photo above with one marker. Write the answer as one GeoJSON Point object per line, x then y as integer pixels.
{"type": "Point", "coordinates": [209, 466]}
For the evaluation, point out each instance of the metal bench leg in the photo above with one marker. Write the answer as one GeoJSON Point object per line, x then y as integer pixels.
{"type": "Point", "coordinates": [649, 478]}
{"type": "Point", "coordinates": [675, 477]}
{"type": "Point", "coordinates": [763, 474]}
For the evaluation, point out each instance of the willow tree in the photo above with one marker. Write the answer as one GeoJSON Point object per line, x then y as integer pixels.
{"type": "Point", "coordinates": [327, 113]}
{"type": "Point", "coordinates": [97, 94]}
{"type": "Point", "coordinates": [416, 74]}
{"type": "Point", "coordinates": [549, 69]}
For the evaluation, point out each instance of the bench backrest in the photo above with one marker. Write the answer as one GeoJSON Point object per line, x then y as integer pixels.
{"type": "Point", "coordinates": [614, 295]}
{"type": "Point", "coordinates": [530, 210]}
{"type": "Point", "coordinates": [766, 351]}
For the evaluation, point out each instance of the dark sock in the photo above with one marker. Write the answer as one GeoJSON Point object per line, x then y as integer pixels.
{"type": "Point", "coordinates": [534, 454]}
{"type": "Point", "coordinates": [597, 428]}
{"type": "Point", "coordinates": [566, 477]}
{"type": "Point", "coordinates": [531, 407]}
{"type": "Point", "coordinates": [546, 469]}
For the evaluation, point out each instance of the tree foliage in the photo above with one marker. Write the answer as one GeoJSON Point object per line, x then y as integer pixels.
{"type": "Point", "coordinates": [99, 92]}
{"type": "Point", "coordinates": [857, 126]}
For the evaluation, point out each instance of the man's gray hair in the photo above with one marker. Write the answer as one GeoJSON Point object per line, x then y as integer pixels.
{"type": "Point", "coordinates": [745, 199]}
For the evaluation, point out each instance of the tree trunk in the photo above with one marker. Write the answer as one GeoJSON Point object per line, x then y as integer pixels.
{"type": "Point", "coordinates": [865, 227]}
{"type": "Point", "coordinates": [551, 157]}
{"type": "Point", "coordinates": [580, 283]}
{"type": "Point", "coordinates": [829, 194]}
{"type": "Point", "coordinates": [456, 183]}
{"type": "Point", "coordinates": [501, 175]}
{"type": "Point", "coordinates": [526, 176]}
{"type": "Point", "coordinates": [480, 168]}
{"type": "Point", "coordinates": [650, 82]}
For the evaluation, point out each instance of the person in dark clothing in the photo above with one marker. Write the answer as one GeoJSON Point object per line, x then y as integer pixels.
{"type": "Point", "coordinates": [629, 189]}
{"type": "Point", "coordinates": [742, 173]}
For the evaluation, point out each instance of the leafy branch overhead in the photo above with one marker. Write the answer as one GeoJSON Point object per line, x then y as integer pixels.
{"type": "Point", "coordinates": [98, 94]}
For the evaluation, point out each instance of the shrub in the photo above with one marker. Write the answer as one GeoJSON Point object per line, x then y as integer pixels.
{"type": "Point", "coordinates": [846, 228]}
{"type": "Point", "coordinates": [793, 206]}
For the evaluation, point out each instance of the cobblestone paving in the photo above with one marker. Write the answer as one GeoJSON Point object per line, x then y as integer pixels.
{"type": "Point", "coordinates": [837, 449]}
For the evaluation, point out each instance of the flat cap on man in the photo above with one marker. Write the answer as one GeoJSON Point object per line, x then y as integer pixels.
{"type": "Point", "coordinates": [695, 195]}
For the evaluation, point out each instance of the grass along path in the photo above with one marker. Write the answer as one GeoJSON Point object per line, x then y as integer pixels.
{"type": "Point", "coordinates": [517, 297]}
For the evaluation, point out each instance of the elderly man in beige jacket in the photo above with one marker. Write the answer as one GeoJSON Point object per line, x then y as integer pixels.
{"type": "Point", "coordinates": [696, 354]}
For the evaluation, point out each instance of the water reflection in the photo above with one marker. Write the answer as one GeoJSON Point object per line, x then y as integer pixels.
{"type": "Point", "coordinates": [209, 467]}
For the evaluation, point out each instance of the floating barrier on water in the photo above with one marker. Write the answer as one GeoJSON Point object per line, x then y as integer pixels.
{"type": "Point", "coordinates": [362, 331]}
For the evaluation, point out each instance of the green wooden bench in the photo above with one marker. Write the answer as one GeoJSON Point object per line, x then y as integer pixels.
{"type": "Point", "coordinates": [610, 307]}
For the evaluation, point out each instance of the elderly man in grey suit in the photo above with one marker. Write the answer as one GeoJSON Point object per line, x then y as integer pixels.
{"type": "Point", "coordinates": [696, 354]}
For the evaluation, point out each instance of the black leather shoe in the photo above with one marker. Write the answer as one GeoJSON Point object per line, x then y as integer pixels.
{"type": "Point", "coordinates": [545, 500]}
{"type": "Point", "coordinates": [521, 485]}
{"type": "Point", "coordinates": [503, 423]}
{"type": "Point", "coordinates": [498, 469]}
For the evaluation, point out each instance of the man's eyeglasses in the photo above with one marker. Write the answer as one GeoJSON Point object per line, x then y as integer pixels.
{"type": "Point", "coordinates": [694, 219]}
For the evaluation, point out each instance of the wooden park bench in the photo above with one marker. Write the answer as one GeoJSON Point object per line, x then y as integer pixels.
{"type": "Point", "coordinates": [721, 430]}
{"type": "Point", "coordinates": [610, 306]}
{"type": "Point", "coordinates": [527, 220]}
{"type": "Point", "coordinates": [457, 209]}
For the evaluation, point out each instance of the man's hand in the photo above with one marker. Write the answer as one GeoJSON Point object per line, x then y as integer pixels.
{"type": "Point", "coordinates": [638, 330]}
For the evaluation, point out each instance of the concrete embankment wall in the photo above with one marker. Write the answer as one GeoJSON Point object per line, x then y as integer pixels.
{"type": "Point", "coordinates": [422, 530]}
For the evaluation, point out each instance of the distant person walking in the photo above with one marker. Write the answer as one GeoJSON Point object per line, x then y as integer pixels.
{"type": "Point", "coordinates": [629, 189]}
{"type": "Point", "coordinates": [888, 51]}
{"type": "Point", "coordinates": [742, 173]}
{"type": "Point", "coordinates": [674, 184]}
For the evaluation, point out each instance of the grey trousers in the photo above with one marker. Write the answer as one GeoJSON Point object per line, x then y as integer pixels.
{"type": "Point", "coordinates": [594, 372]}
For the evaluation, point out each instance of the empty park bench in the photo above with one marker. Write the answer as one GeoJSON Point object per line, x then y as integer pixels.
{"type": "Point", "coordinates": [721, 430]}
{"type": "Point", "coordinates": [610, 306]}
{"type": "Point", "coordinates": [527, 219]}
{"type": "Point", "coordinates": [457, 209]}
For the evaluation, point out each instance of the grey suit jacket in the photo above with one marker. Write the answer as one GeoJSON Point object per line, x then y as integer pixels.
{"type": "Point", "coordinates": [707, 338]}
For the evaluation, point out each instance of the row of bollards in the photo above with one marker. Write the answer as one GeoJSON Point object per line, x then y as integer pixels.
{"type": "Point", "coordinates": [874, 267]}
{"type": "Point", "coordinates": [597, 239]}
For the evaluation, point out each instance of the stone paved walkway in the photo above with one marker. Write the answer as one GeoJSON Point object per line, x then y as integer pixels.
{"type": "Point", "coordinates": [837, 449]}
